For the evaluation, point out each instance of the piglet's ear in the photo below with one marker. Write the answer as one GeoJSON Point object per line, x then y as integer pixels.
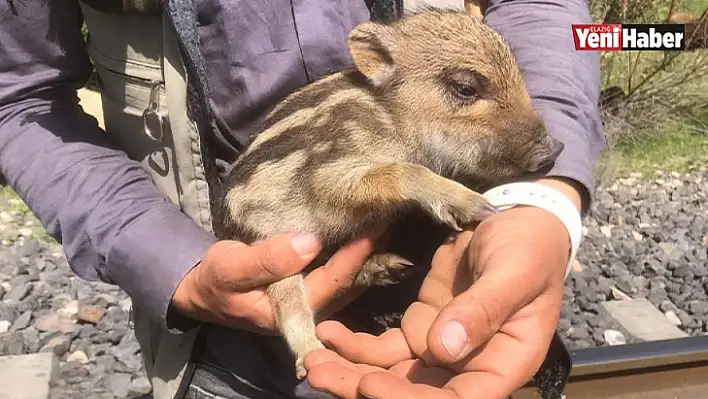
{"type": "Point", "coordinates": [369, 45]}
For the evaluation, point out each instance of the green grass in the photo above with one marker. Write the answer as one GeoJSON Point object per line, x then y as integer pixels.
{"type": "Point", "coordinates": [698, 6]}
{"type": "Point", "coordinates": [677, 145]}
{"type": "Point", "coordinates": [32, 228]}
{"type": "Point", "coordinates": [680, 151]}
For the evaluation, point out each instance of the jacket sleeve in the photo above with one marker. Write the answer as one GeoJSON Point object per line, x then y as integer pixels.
{"type": "Point", "coordinates": [114, 224]}
{"type": "Point", "coordinates": [564, 84]}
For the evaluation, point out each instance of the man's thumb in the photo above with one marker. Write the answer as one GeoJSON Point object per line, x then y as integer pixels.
{"type": "Point", "coordinates": [470, 320]}
{"type": "Point", "coordinates": [282, 256]}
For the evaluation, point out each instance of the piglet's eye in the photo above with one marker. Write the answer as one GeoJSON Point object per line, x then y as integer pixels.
{"type": "Point", "coordinates": [464, 91]}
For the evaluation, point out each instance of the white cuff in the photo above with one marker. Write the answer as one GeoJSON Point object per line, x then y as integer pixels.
{"type": "Point", "coordinates": [535, 194]}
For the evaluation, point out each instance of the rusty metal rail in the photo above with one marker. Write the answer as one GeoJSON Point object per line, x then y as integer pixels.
{"type": "Point", "coordinates": [669, 369]}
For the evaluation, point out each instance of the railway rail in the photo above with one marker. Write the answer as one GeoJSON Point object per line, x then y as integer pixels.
{"type": "Point", "coordinates": [667, 369]}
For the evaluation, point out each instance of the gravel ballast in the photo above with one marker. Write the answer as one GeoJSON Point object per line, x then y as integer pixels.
{"type": "Point", "coordinates": [644, 238]}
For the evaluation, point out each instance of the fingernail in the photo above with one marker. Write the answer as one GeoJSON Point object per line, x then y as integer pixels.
{"type": "Point", "coordinates": [454, 338]}
{"type": "Point", "coordinates": [305, 244]}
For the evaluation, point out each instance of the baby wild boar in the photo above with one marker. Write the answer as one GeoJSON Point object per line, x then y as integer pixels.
{"type": "Point", "coordinates": [434, 105]}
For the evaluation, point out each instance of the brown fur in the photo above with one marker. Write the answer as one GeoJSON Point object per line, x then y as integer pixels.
{"type": "Point", "coordinates": [435, 106]}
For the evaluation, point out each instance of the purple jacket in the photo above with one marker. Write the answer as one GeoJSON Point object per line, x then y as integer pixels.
{"type": "Point", "coordinates": [116, 226]}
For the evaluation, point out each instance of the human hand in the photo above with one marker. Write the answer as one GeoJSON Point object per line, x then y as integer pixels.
{"type": "Point", "coordinates": [229, 286]}
{"type": "Point", "coordinates": [496, 331]}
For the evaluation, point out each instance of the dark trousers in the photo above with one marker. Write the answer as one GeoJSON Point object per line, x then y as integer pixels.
{"type": "Point", "coordinates": [240, 365]}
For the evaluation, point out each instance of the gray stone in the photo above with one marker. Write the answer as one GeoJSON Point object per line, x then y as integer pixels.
{"type": "Point", "coordinates": [667, 306]}
{"type": "Point", "coordinates": [19, 292]}
{"type": "Point", "coordinates": [4, 326]}
{"type": "Point", "coordinates": [78, 356]}
{"type": "Point", "coordinates": [614, 337]}
{"type": "Point", "coordinates": [22, 322]}
{"type": "Point", "coordinates": [58, 345]}
{"type": "Point", "coordinates": [698, 308]}
{"type": "Point", "coordinates": [47, 323]}
{"type": "Point", "coordinates": [12, 343]}
{"type": "Point", "coordinates": [139, 387]}
{"type": "Point", "coordinates": [686, 319]}
{"type": "Point", "coordinates": [31, 338]}
{"type": "Point", "coordinates": [7, 312]}
{"type": "Point", "coordinates": [54, 323]}
{"type": "Point", "coordinates": [119, 384]}
{"type": "Point", "coordinates": [642, 320]}
{"type": "Point", "coordinates": [673, 318]}
{"type": "Point", "coordinates": [28, 376]}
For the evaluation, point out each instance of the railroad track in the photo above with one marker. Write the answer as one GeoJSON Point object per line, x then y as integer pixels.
{"type": "Point", "coordinates": [668, 369]}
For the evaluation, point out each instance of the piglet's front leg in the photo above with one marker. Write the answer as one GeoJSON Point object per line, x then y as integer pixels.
{"type": "Point", "coordinates": [351, 192]}
{"type": "Point", "coordinates": [445, 200]}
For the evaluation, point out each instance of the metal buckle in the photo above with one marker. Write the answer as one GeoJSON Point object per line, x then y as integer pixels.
{"type": "Point", "coordinates": [152, 121]}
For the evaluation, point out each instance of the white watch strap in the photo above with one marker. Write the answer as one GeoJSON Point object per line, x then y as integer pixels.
{"type": "Point", "coordinates": [534, 194]}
